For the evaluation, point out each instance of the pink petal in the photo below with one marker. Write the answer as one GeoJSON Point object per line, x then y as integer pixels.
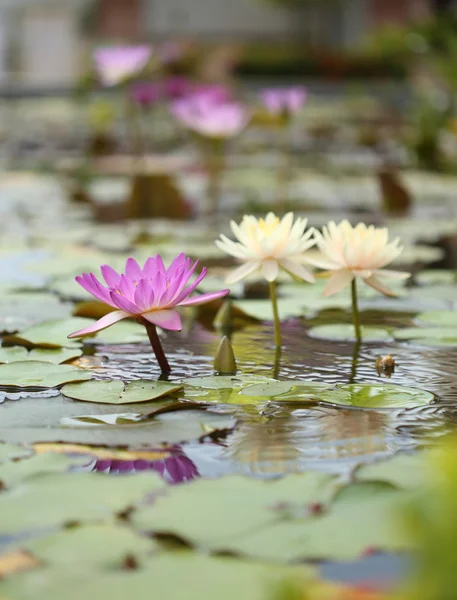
{"type": "Point", "coordinates": [124, 304]}
{"type": "Point", "coordinates": [89, 283]}
{"type": "Point", "coordinates": [203, 298]}
{"type": "Point", "coordinates": [176, 264]}
{"type": "Point", "coordinates": [189, 289]}
{"type": "Point", "coordinates": [159, 265]}
{"type": "Point", "coordinates": [142, 295]}
{"type": "Point", "coordinates": [127, 288]}
{"type": "Point", "coordinates": [149, 268]}
{"type": "Point", "coordinates": [133, 270]}
{"type": "Point", "coordinates": [111, 277]}
{"type": "Point", "coordinates": [181, 292]}
{"type": "Point", "coordinates": [103, 323]}
{"type": "Point", "coordinates": [166, 319]}
{"type": "Point", "coordinates": [296, 269]}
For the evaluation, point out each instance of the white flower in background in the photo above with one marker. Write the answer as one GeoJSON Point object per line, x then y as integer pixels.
{"type": "Point", "coordinates": [268, 245]}
{"type": "Point", "coordinates": [361, 251]}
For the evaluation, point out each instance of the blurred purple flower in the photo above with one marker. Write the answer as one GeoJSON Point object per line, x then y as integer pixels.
{"type": "Point", "coordinates": [115, 64]}
{"type": "Point", "coordinates": [174, 469]}
{"type": "Point", "coordinates": [210, 118]}
{"type": "Point", "coordinates": [145, 93]}
{"type": "Point", "coordinates": [284, 101]}
{"type": "Point", "coordinates": [216, 93]}
{"type": "Point", "coordinates": [177, 87]}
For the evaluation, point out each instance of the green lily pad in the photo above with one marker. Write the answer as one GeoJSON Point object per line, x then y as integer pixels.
{"type": "Point", "coordinates": [118, 392]}
{"type": "Point", "coordinates": [20, 354]}
{"type": "Point", "coordinates": [172, 575]}
{"type": "Point", "coordinates": [21, 310]}
{"type": "Point", "coordinates": [124, 332]}
{"type": "Point", "coordinates": [436, 294]}
{"type": "Point", "coordinates": [361, 518]}
{"type": "Point", "coordinates": [39, 375]}
{"type": "Point", "coordinates": [11, 473]}
{"type": "Point", "coordinates": [224, 389]}
{"type": "Point", "coordinates": [428, 336]}
{"type": "Point", "coordinates": [345, 333]}
{"type": "Point", "coordinates": [209, 513]}
{"type": "Point", "coordinates": [436, 277]}
{"type": "Point", "coordinates": [59, 498]}
{"type": "Point", "coordinates": [404, 471]}
{"type": "Point", "coordinates": [377, 395]}
{"type": "Point", "coordinates": [263, 311]}
{"type": "Point", "coordinates": [92, 547]}
{"type": "Point", "coordinates": [11, 451]}
{"type": "Point", "coordinates": [219, 382]}
{"type": "Point", "coordinates": [445, 318]}
{"type": "Point", "coordinates": [51, 334]}
{"type": "Point", "coordinates": [268, 390]}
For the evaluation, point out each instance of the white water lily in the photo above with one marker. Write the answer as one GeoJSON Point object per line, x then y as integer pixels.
{"type": "Point", "coordinates": [361, 251]}
{"type": "Point", "coordinates": [268, 245]}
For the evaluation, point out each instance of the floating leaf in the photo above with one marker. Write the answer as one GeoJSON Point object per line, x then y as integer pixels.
{"type": "Point", "coordinates": [210, 513]}
{"type": "Point", "coordinates": [268, 389]}
{"type": "Point", "coordinates": [436, 277]}
{"type": "Point", "coordinates": [37, 374]}
{"type": "Point", "coordinates": [262, 309]}
{"type": "Point", "coordinates": [218, 382]}
{"type": "Point", "coordinates": [10, 451]}
{"type": "Point", "coordinates": [99, 452]}
{"type": "Point", "coordinates": [50, 334]}
{"type": "Point", "coordinates": [92, 547]}
{"type": "Point", "coordinates": [117, 392]}
{"type": "Point", "coordinates": [445, 318]}
{"type": "Point", "coordinates": [345, 333]}
{"type": "Point", "coordinates": [124, 332]}
{"type": "Point", "coordinates": [19, 354]}
{"type": "Point", "coordinates": [14, 472]}
{"type": "Point", "coordinates": [404, 471]}
{"type": "Point", "coordinates": [21, 310]}
{"type": "Point", "coordinates": [434, 336]}
{"type": "Point", "coordinates": [377, 395]}
{"type": "Point", "coordinates": [54, 499]}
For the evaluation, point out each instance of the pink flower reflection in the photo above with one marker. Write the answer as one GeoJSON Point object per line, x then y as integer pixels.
{"type": "Point", "coordinates": [177, 468]}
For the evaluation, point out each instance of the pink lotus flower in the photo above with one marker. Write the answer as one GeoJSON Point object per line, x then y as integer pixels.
{"type": "Point", "coordinates": [145, 93]}
{"type": "Point", "coordinates": [284, 101]}
{"type": "Point", "coordinates": [116, 64]}
{"type": "Point", "coordinates": [213, 92]}
{"type": "Point", "coordinates": [209, 118]}
{"type": "Point", "coordinates": [152, 292]}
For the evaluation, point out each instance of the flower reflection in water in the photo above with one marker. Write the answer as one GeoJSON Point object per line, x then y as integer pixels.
{"type": "Point", "coordinates": [176, 468]}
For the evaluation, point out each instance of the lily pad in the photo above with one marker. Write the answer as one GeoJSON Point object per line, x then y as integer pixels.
{"type": "Point", "coordinates": [81, 497]}
{"type": "Point", "coordinates": [263, 311]}
{"type": "Point", "coordinates": [219, 382]}
{"type": "Point", "coordinates": [224, 389]}
{"type": "Point", "coordinates": [269, 389]}
{"type": "Point", "coordinates": [39, 375]}
{"type": "Point", "coordinates": [92, 547]}
{"type": "Point", "coordinates": [428, 336]}
{"type": "Point", "coordinates": [209, 513]}
{"type": "Point", "coordinates": [445, 318]}
{"type": "Point", "coordinates": [20, 354]}
{"type": "Point", "coordinates": [377, 395]}
{"type": "Point", "coordinates": [436, 277]}
{"type": "Point", "coordinates": [345, 333]}
{"type": "Point", "coordinates": [21, 310]}
{"type": "Point", "coordinates": [124, 332]}
{"type": "Point", "coordinates": [50, 334]}
{"type": "Point", "coordinates": [117, 392]}
{"type": "Point", "coordinates": [404, 471]}
{"type": "Point", "coordinates": [13, 472]}
{"type": "Point", "coordinates": [11, 451]}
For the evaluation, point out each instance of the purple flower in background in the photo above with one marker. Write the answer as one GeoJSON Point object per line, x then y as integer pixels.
{"type": "Point", "coordinates": [145, 93]}
{"type": "Point", "coordinates": [216, 93]}
{"type": "Point", "coordinates": [152, 292]}
{"type": "Point", "coordinates": [284, 101]}
{"type": "Point", "coordinates": [210, 118]}
{"type": "Point", "coordinates": [177, 468]}
{"type": "Point", "coordinates": [177, 87]}
{"type": "Point", "coordinates": [115, 64]}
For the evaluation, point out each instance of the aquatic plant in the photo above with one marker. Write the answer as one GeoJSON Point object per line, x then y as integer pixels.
{"type": "Point", "coordinates": [115, 64]}
{"type": "Point", "coordinates": [268, 245]}
{"type": "Point", "coordinates": [357, 252]}
{"type": "Point", "coordinates": [150, 295]}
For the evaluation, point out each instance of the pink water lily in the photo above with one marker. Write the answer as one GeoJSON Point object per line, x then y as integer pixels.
{"type": "Point", "coordinates": [150, 294]}
{"type": "Point", "coordinates": [115, 64]}
{"type": "Point", "coordinates": [286, 101]}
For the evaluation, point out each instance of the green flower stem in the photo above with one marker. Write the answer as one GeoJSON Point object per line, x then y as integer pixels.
{"type": "Point", "coordinates": [156, 345]}
{"type": "Point", "coordinates": [355, 311]}
{"type": "Point", "coordinates": [215, 169]}
{"type": "Point", "coordinates": [277, 322]}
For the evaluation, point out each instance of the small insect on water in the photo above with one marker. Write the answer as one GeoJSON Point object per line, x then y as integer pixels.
{"type": "Point", "coordinates": [385, 365]}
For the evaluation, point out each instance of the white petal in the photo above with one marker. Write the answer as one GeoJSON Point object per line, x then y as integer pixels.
{"type": "Point", "coordinates": [338, 281]}
{"type": "Point", "coordinates": [297, 269]}
{"type": "Point", "coordinates": [242, 272]}
{"type": "Point", "coordinates": [377, 285]}
{"type": "Point", "coordinates": [270, 269]}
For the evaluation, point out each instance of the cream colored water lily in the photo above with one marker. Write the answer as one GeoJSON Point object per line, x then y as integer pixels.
{"type": "Point", "coordinates": [268, 245]}
{"type": "Point", "coordinates": [356, 252]}
{"type": "Point", "coordinates": [361, 251]}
